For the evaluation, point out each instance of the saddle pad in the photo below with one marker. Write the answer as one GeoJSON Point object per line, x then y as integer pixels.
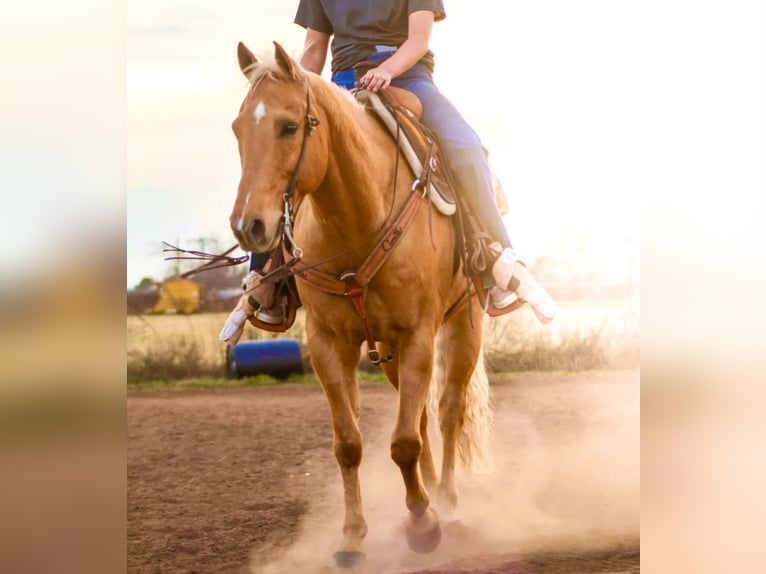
{"type": "Point", "coordinates": [444, 205]}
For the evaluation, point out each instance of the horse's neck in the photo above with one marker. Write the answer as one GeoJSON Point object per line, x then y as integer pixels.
{"type": "Point", "coordinates": [353, 198]}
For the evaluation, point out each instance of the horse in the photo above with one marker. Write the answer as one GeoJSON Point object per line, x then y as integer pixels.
{"type": "Point", "coordinates": [304, 139]}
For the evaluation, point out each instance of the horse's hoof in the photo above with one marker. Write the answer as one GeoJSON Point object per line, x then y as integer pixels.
{"type": "Point", "coordinates": [344, 559]}
{"type": "Point", "coordinates": [424, 538]}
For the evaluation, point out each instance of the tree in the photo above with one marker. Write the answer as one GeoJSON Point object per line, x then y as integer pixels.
{"type": "Point", "coordinates": [145, 283]}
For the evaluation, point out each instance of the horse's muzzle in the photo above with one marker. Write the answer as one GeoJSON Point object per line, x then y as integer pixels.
{"type": "Point", "coordinates": [254, 235]}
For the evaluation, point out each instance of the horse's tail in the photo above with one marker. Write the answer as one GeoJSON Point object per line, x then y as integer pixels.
{"type": "Point", "coordinates": [475, 438]}
{"type": "Point", "coordinates": [473, 446]}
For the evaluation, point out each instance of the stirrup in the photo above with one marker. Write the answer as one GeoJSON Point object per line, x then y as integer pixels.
{"type": "Point", "coordinates": [273, 315]}
{"type": "Point", "coordinates": [501, 299]}
{"type": "Point", "coordinates": [279, 317]}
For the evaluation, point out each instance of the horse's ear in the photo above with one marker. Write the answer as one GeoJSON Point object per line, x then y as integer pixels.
{"type": "Point", "coordinates": [245, 57]}
{"type": "Point", "coordinates": [284, 61]}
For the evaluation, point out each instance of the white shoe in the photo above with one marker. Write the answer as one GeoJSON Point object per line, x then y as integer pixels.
{"type": "Point", "coordinates": [502, 299]}
{"type": "Point", "coordinates": [260, 294]}
{"type": "Point", "coordinates": [235, 322]}
{"type": "Point", "coordinates": [508, 267]}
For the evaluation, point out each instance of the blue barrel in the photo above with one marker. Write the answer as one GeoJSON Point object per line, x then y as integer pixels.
{"type": "Point", "coordinates": [277, 358]}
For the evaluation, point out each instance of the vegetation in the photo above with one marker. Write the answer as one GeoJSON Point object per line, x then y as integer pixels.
{"type": "Point", "coordinates": [183, 351]}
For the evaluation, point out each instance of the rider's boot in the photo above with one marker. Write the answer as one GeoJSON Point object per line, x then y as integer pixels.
{"type": "Point", "coordinates": [513, 280]}
{"type": "Point", "coordinates": [258, 299]}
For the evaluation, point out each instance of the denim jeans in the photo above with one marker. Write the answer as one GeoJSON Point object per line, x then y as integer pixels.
{"type": "Point", "coordinates": [258, 260]}
{"type": "Point", "coordinates": [460, 142]}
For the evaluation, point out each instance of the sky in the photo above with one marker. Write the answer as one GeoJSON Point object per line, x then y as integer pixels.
{"type": "Point", "coordinates": [548, 86]}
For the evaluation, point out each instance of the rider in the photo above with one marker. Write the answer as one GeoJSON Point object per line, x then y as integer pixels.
{"type": "Point", "coordinates": [395, 34]}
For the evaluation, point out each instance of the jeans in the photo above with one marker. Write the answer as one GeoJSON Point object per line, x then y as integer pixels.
{"type": "Point", "coordinates": [258, 260]}
{"type": "Point", "coordinates": [460, 143]}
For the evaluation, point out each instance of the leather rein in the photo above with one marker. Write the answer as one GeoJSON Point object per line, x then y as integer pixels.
{"type": "Point", "coordinates": [351, 283]}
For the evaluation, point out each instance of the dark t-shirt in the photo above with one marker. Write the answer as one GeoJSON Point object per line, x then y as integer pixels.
{"type": "Point", "coordinates": [359, 26]}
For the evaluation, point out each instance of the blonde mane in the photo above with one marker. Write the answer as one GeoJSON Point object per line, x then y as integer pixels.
{"type": "Point", "coordinates": [266, 67]}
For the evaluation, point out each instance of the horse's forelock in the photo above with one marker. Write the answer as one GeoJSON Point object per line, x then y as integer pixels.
{"type": "Point", "coordinates": [266, 66]}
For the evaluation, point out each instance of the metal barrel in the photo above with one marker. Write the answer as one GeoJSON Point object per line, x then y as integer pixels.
{"type": "Point", "coordinates": [276, 357]}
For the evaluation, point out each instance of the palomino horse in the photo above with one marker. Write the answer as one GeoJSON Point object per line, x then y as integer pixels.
{"type": "Point", "coordinates": [297, 131]}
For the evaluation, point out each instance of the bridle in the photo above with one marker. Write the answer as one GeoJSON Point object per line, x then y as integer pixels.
{"type": "Point", "coordinates": [289, 209]}
{"type": "Point", "coordinates": [215, 261]}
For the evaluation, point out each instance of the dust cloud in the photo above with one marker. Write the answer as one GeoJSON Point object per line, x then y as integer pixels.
{"type": "Point", "coordinates": [565, 478]}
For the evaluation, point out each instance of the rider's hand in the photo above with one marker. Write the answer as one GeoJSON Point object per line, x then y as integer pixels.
{"type": "Point", "coordinates": [376, 79]}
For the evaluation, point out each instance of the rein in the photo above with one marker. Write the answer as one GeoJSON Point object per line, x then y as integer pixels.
{"type": "Point", "coordinates": [214, 261]}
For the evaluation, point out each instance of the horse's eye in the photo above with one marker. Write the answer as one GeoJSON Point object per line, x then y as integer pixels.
{"type": "Point", "coordinates": [288, 129]}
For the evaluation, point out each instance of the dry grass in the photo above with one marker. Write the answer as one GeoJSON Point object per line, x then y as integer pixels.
{"type": "Point", "coordinates": [171, 347]}
{"type": "Point", "coordinates": [586, 335]}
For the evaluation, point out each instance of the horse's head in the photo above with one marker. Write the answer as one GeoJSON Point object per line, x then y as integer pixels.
{"type": "Point", "coordinates": [271, 131]}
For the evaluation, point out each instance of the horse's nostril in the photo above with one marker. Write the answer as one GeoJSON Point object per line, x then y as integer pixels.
{"type": "Point", "coordinates": [258, 230]}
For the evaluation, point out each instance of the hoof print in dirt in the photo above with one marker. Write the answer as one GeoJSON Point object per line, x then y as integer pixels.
{"type": "Point", "coordinates": [347, 560]}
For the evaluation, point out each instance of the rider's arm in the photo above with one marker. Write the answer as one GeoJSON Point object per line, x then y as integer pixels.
{"type": "Point", "coordinates": [421, 23]}
{"type": "Point", "coordinates": [314, 50]}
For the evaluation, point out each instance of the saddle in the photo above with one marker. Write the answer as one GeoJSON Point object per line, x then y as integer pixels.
{"type": "Point", "coordinates": [400, 112]}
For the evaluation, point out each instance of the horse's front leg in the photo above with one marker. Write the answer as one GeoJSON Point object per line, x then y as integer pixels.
{"type": "Point", "coordinates": [335, 361]}
{"type": "Point", "coordinates": [415, 367]}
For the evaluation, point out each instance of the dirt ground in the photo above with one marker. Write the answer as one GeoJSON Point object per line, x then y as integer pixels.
{"type": "Point", "coordinates": [244, 481]}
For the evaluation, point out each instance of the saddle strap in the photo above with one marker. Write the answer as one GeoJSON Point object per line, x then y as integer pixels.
{"type": "Point", "coordinates": [352, 284]}
{"type": "Point", "coordinates": [374, 260]}
{"type": "Point", "coordinates": [355, 292]}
